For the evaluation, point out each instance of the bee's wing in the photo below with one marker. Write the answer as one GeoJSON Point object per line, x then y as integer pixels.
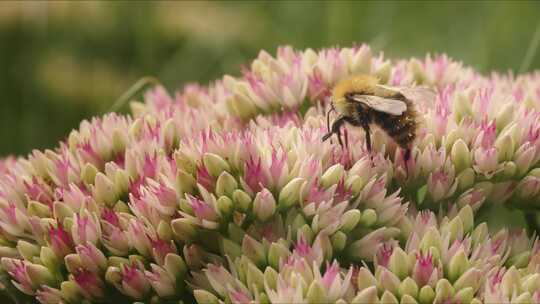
{"type": "Point", "coordinates": [416, 94]}
{"type": "Point", "coordinates": [420, 94]}
{"type": "Point", "coordinates": [386, 105]}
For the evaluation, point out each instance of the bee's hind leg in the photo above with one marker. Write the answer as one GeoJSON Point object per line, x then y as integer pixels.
{"type": "Point", "coordinates": [406, 158]}
{"type": "Point", "coordinates": [368, 139]}
{"type": "Point", "coordinates": [407, 155]}
{"type": "Point", "coordinates": [346, 135]}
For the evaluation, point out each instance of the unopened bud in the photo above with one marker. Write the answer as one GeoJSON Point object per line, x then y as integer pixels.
{"type": "Point", "coordinates": [254, 250]}
{"type": "Point", "coordinates": [290, 194]}
{"type": "Point", "coordinates": [215, 164]}
{"type": "Point", "coordinates": [332, 175]}
{"type": "Point", "coordinates": [226, 184]}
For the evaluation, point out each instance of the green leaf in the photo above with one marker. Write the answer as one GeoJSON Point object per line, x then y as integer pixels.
{"type": "Point", "coordinates": [421, 195]}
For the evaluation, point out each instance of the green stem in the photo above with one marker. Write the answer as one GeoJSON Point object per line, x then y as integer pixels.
{"type": "Point", "coordinates": [136, 87]}
{"type": "Point", "coordinates": [532, 223]}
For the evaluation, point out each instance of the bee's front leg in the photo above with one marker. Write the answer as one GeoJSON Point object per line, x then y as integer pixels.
{"type": "Point", "coordinates": [339, 138]}
{"type": "Point", "coordinates": [336, 126]}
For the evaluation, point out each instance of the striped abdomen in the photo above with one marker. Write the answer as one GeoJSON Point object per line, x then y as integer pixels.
{"type": "Point", "coordinates": [401, 128]}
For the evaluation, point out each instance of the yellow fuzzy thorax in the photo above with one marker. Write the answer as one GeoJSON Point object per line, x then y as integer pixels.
{"type": "Point", "coordinates": [360, 84]}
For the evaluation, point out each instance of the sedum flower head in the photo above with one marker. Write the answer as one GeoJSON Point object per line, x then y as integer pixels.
{"type": "Point", "coordinates": [226, 194]}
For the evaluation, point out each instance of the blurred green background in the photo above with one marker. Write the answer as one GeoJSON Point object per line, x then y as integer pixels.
{"type": "Point", "coordinates": [61, 62]}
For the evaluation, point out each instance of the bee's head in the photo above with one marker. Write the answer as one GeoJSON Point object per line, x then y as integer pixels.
{"type": "Point", "coordinates": [357, 84]}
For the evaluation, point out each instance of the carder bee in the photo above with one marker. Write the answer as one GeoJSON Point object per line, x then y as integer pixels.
{"type": "Point", "coordinates": [361, 101]}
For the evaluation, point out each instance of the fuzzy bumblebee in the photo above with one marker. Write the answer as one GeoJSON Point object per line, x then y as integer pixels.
{"type": "Point", "coordinates": [361, 101]}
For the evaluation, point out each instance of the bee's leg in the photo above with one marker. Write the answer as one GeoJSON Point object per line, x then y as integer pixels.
{"type": "Point", "coordinates": [368, 136]}
{"type": "Point", "coordinates": [346, 135]}
{"type": "Point", "coordinates": [332, 109]}
{"type": "Point", "coordinates": [365, 126]}
{"type": "Point", "coordinates": [406, 158]}
{"type": "Point", "coordinates": [339, 138]}
{"type": "Point", "coordinates": [407, 155]}
{"type": "Point", "coordinates": [336, 126]}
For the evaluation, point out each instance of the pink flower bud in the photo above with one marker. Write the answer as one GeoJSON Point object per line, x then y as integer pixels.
{"type": "Point", "coordinates": [240, 297]}
{"type": "Point", "coordinates": [137, 234]}
{"type": "Point", "coordinates": [367, 247]}
{"type": "Point", "coordinates": [48, 295]}
{"type": "Point", "coordinates": [17, 270]}
{"type": "Point", "coordinates": [254, 175]}
{"type": "Point", "coordinates": [161, 281]}
{"type": "Point", "coordinates": [441, 184]}
{"type": "Point", "coordinates": [423, 269]}
{"type": "Point", "coordinates": [75, 198]}
{"type": "Point", "coordinates": [86, 228]}
{"type": "Point", "coordinates": [486, 161]}
{"type": "Point", "coordinates": [163, 197]}
{"type": "Point", "coordinates": [134, 283]}
{"type": "Point", "coordinates": [115, 240]}
{"type": "Point", "coordinates": [160, 249]}
{"type": "Point", "coordinates": [383, 254]}
{"type": "Point", "coordinates": [202, 209]}
{"type": "Point", "coordinates": [335, 285]}
{"type": "Point", "coordinates": [60, 241]}
{"type": "Point", "coordinates": [264, 205]}
{"type": "Point", "coordinates": [278, 169]}
{"type": "Point", "coordinates": [91, 285]}
{"type": "Point", "coordinates": [524, 158]}
{"type": "Point", "coordinates": [91, 257]}
{"type": "Point", "coordinates": [39, 191]}
{"type": "Point", "coordinates": [12, 220]}
{"type": "Point", "coordinates": [219, 278]}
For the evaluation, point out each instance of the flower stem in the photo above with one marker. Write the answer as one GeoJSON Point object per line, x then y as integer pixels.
{"type": "Point", "coordinates": [532, 222]}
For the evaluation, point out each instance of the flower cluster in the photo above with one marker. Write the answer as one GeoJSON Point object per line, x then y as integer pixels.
{"type": "Point", "coordinates": [226, 194]}
{"type": "Point", "coordinates": [446, 261]}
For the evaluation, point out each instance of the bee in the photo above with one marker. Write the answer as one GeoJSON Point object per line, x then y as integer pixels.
{"type": "Point", "coordinates": [362, 101]}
